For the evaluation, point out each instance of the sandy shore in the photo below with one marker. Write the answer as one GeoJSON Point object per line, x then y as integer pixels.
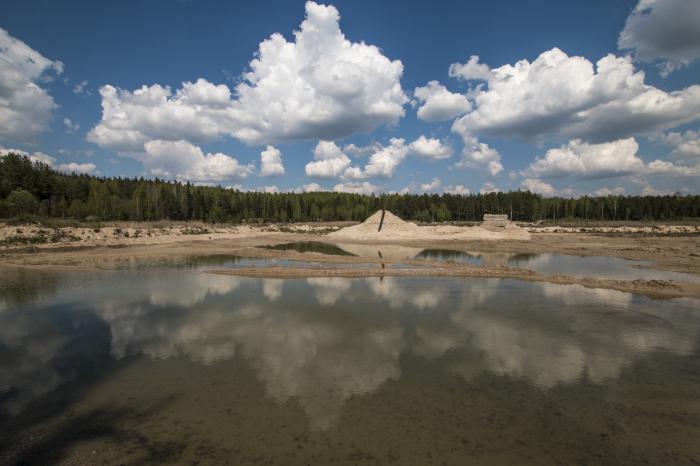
{"type": "Point", "coordinates": [671, 249]}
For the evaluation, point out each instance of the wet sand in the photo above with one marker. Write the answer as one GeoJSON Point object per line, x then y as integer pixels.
{"type": "Point", "coordinates": [669, 252]}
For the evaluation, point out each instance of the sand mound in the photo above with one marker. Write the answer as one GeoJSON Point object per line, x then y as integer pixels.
{"type": "Point", "coordinates": [394, 228]}
{"type": "Point", "coordinates": [391, 225]}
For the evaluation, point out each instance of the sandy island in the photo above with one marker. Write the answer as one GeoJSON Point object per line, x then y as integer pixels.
{"type": "Point", "coordinates": [390, 252]}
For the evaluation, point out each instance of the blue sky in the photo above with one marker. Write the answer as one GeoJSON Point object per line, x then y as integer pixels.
{"type": "Point", "coordinates": [543, 134]}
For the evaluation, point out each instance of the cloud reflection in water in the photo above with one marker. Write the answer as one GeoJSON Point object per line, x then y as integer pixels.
{"type": "Point", "coordinates": [321, 341]}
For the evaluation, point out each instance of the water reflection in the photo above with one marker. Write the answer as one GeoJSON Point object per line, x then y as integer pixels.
{"type": "Point", "coordinates": [20, 286]}
{"type": "Point", "coordinates": [576, 266]}
{"type": "Point", "coordinates": [39, 350]}
{"type": "Point", "coordinates": [320, 341]}
{"type": "Point", "coordinates": [328, 290]}
{"type": "Point", "coordinates": [272, 288]}
{"type": "Point", "coordinates": [311, 246]}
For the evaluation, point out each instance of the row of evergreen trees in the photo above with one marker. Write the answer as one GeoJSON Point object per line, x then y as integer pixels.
{"type": "Point", "coordinates": [33, 188]}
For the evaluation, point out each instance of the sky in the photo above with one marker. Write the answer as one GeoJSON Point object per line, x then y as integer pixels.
{"type": "Point", "coordinates": [561, 98]}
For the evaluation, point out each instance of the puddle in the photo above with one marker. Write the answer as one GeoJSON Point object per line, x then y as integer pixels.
{"type": "Point", "coordinates": [449, 255]}
{"type": "Point", "coordinates": [613, 268]}
{"type": "Point", "coordinates": [311, 246]}
{"type": "Point", "coordinates": [603, 267]}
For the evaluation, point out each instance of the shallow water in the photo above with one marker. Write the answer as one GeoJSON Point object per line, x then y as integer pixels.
{"type": "Point", "coordinates": [311, 246]}
{"type": "Point", "coordinates": [177, 365]}
{"type": "Point", "coordinates": [603, 267]}
{"type": "Point", "coordinates": [576, 266]}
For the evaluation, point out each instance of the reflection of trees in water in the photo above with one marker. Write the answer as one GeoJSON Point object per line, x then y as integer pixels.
{"type": "Point", "coordinates": [311, 246]}
{"type": "Point", "coordinates": [523, 257]}
{"type": "Point", "coordinates": [447, 255]}
{"type": "Point", "coordinates": [21, 287]}
{"type": "Point", "coordinates": [490, 259]}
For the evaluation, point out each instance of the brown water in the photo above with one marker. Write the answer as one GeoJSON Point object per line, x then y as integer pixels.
{"type": "Point", "coordinates": [180, 366]}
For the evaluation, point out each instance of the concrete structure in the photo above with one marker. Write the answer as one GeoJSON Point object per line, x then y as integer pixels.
{"type": "Point", "coordinates": [495, 222]}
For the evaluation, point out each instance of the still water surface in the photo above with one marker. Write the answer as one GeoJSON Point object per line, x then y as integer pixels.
{"type": "Point", "coordinates": [602, 267]}
{"type": "Point", "coordinates": [176, 365]}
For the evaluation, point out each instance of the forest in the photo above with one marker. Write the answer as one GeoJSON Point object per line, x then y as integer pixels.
{"type": "Point", "coordinates": [33, 189]}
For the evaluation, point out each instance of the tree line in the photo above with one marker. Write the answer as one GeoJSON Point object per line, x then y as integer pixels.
{"type": "Point", "coordinates": [35, 189]}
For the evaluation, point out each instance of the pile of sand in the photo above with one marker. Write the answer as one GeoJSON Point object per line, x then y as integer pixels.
{"type": "Point", "coordinates": [394, 228]}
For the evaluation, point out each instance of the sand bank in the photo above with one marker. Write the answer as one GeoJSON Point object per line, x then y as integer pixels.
{"type": "Point", "coordinates": [659, 289]}
{"type": "Point", "coordinates": [111, 248]}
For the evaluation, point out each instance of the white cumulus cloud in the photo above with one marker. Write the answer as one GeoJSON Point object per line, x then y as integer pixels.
{"type": "Point", "coordinates": [183, 161]}
{"type": "Point", "coordinates": [383, 163]}
{"type": "Point", "coordinates": [309, 188]}
{"type": "Point", "coordinates": [25, 108]}
{"type": "Point", "coordinates": [605, 160]}
{"type": "Point", "coordinates": [430, 148]}
{"type": "Point", "coordinates": [669, 168]}
{"type": "Point", "coordinates": [480, 155]}
{"type": "Point", "coordinates": [34, 156]}
{"type": "Point", "coordinates": [271, 162]}
{"type": "Point", "coordinates": [649, 190]}
{"type": "Point", "coordinates": [686, 146]}
{"type": "Point", "coordinates": [361, 151]}
{"type": "Point", "coordinates": [489, 188]}
{"type": "Point", "coordinates": [577, 158]}
{"type": "Point", "coordinates": [198, 112]}
{"type": "Point", "coordinates": [319, 86]}
{"type": "Point", "coordinates": [364, 187]}
{"type": "Point", "coordinates": [537, 186]}
{"type": "Point", "coordinates": [74, 167]}
{"type": "Point", "coordinates": [663, 30]}
{"type": "Point", "coordinates": [432, 186]}
{"type": "Point", "coordinates": [70, 167]}
{"type": "Point", "coordinates": [329, 161]}
{"type": "Point", "coordinates": [458, 189]}
{"type": "Point", "coordinates": [438, 104]}
{"type": "Point", "coordinates": [470, 71]}
{"type": "Point", "coordinates": [564, 96]}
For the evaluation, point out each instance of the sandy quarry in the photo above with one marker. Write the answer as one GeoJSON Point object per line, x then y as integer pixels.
{"type": "Point", "coordinates": [394, 228]}
{"type": "Point", "coordinates": [389, 252]}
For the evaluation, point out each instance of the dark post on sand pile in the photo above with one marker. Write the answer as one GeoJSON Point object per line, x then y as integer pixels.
{"type": "Point", "coordinates": [381, 221]}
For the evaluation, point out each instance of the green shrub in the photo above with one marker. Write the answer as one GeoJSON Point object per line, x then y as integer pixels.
{"type": "Point", "coordinates": [21, 203]}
